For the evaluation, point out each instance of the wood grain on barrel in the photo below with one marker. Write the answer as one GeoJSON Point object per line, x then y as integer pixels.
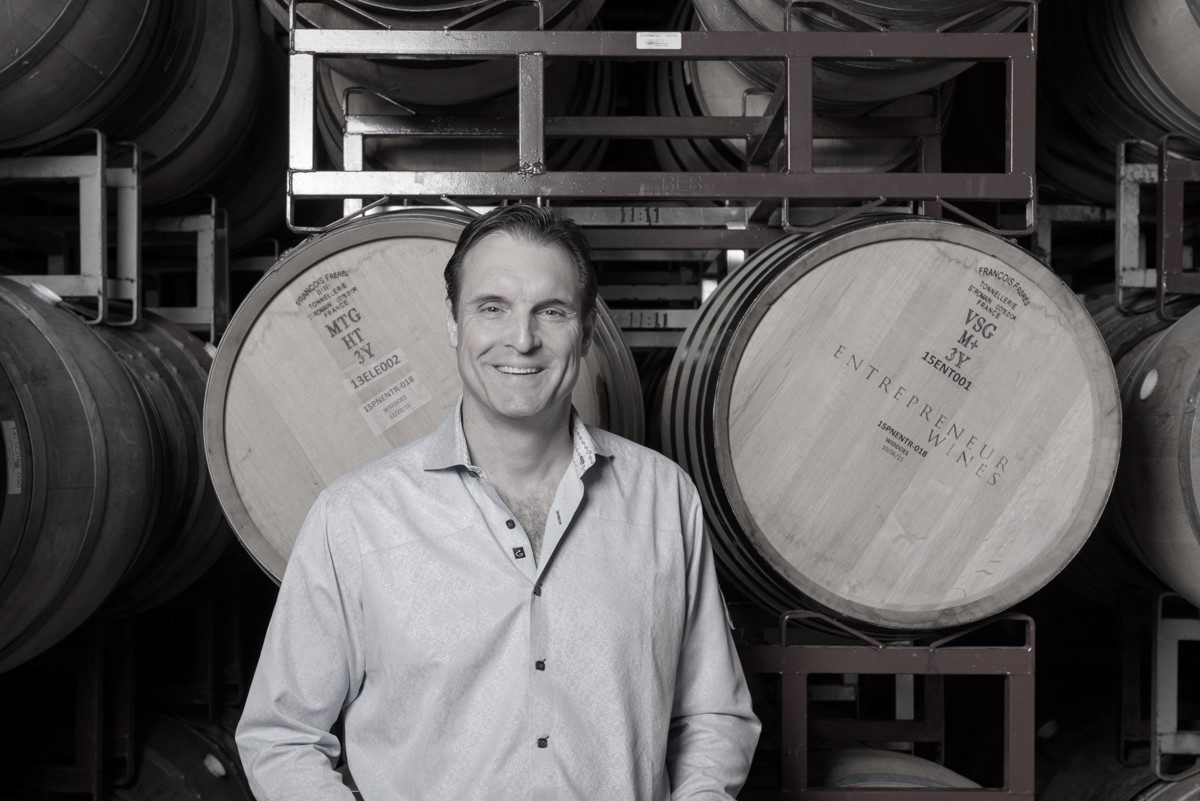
{"type": "Point", "coordinates": [915, 423]}
{"type": "Point", "coordinates": [341, 355]}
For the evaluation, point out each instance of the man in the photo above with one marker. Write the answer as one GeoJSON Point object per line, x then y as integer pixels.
{"type": "Point", "coordinates": [516, 606]}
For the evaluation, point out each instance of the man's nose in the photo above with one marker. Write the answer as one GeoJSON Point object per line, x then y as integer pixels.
{"type": "Point", "coordinates": [523, 333]}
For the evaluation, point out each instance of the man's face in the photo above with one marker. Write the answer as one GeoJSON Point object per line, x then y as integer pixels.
{"type": "Point", "coordinates": [519, 336]}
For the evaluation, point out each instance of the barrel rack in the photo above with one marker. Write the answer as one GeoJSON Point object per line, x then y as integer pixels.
{"type": "Point", "coordinates": [100, 167]}
{"type": "Point", "coordinates": [1170, 174]}
{"type": "Point", "coordinates": [1158, 625]}
{"type": "Point", "coordinates": [95, 165]}
{"type": "Point", "coordinates": [770, 185]}
{"type": "Point", "coordinates": [944, 656]}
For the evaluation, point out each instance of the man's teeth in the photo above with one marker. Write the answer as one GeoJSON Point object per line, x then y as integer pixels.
{"type": "Point", "coordinates": [520, 370]}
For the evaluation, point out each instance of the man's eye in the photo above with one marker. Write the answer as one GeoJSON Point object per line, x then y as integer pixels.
{"type": "Point", "coordinates": [490, 309]}
{"type": "Point", "coordinates": [552, 312]}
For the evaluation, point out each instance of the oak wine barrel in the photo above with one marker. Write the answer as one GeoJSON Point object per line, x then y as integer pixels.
{"type": "Point", "coordinates": [573, 88]}
{"type": "Point", "coordinates": [653, 364]}
{"type": "Point", "coordinates": [847, 82]}
{"type": "Point", "coordinates": [436, 82]}
{"type": "Point", "coordinates": [191, 109]}
{"type": "Point", "coordinates": [169, 367]}
{"type": "Point", "coordinates": [1114, 70]}
{"type": "Point", "coordinates": [1105, 567]}
{"type": "Point", "coordinates": [875, 768]}
{"type": "Point", "coordinates": [1155, 499]}
{"type": "Point", "coordinates": [108, 506]}
{"type": "Point", "coordinates": [339, 355]}
{"type": "Point", "coordinates": [63, 63]}
{"type": "Point", "coordinates": [80, 473]}
{"type": "Point", "coordinates": [903, 421]}
{"type": "Point", "coordinates": [253, 187]}
{"type": "Point", "coordinates": [720, 88]}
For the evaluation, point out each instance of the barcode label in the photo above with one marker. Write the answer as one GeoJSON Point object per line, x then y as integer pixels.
{"type": "Point", "coordinates": [659, 40]}
{"type": "Point", "coordinates": [12, 451]}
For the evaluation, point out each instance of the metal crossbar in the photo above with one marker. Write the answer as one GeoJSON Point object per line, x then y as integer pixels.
{"type": "Point", "coordinates": [792, 102]}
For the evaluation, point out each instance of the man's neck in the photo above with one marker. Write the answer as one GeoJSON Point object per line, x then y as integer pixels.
{"type": "Point", "coordinates": [519, 453]}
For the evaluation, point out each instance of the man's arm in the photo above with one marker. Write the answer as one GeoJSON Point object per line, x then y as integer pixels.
{"type": "Point", "coordinates": [310, 667]}
{"type": "Point", "coordinates": [713, 729]}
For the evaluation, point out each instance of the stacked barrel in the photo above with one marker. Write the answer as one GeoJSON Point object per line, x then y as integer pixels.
{"type": "Point", "coordinates": [1119, 76]}
{"type": "Point", "coordinates": [192, 83]}
{"type": "Point", "coordinates": [482, 89]}
{"type": "Point", "coordinates": [874, 90]}
{"type": "Point", "coordinates": [1117, 70]}
{"type": "Point", "coordinates": [107, 499]}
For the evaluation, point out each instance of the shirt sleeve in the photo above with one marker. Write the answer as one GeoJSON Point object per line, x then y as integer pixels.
{"type": "Point", "coordinates": [713, 728]}
{"type": "Point", "coordinates": [309, 669]}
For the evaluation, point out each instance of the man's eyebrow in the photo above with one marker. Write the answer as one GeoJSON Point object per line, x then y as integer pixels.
{"type": "Point", "coordinates": [556, 302]}
{"type": "Point", "coordinates": [478, 299]}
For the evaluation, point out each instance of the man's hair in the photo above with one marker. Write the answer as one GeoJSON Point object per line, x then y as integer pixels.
{"type": "Point", "coordinates": [537, 226]}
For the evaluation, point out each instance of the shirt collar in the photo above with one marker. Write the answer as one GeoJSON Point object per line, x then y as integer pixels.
{"type": "Point", "coordinates": [448, 444]}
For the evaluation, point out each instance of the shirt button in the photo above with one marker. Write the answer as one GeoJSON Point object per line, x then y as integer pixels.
{"type": "Point", "coordinates": [543, 742]}
{"type": "Point", "coordinates": [510, 523]}
{"type": "Point", "coordinates": [540, 664]}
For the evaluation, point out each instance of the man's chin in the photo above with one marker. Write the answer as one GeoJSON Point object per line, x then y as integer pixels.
{"type": "Point", "coordinates": [527, 411]}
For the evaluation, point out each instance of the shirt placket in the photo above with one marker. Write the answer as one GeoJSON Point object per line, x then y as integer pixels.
{"type": "Point", "coordinates": [504, 527]}
{"type": "Point", "coordinates": [566, 502]}
{"type": "Point", "coordinates": [543, 659]}
{"type": "Point", "coordinates": [542, 735]}
{"type": "Point", "coordinates": [540, 707]}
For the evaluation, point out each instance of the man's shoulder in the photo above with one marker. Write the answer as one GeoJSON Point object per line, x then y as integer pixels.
{"type": "Point", "coordinates": [404, 466]}
{"type": "Point", "coordinates": [629, 457]}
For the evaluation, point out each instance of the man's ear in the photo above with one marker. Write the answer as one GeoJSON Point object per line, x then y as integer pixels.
{"type": "Point", "coordinates": [589, 327]}
{"type": "Point", "coordinates": [451, 325]}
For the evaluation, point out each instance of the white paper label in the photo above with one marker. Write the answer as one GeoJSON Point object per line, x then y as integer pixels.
{"type": "Point", "coordinates": [12, 451]}
{"type": "Point", "coordinates": [659, 40]}
{"type": "Point", "coordinates": [376, 371]}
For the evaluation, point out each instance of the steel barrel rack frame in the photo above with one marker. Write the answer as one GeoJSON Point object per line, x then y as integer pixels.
{"type": "Point", "coordinates": [1169, 174]}
{"type": "Point", "coordinates": [775, 175]}
{"type": "Point", "coordinates": [794, 664]}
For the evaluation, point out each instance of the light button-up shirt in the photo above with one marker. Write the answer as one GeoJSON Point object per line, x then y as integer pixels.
{"type": "Point", "coordinates": [467, 671]}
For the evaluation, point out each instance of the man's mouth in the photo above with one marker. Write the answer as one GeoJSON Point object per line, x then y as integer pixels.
{"type": "Point", "coordinates": [519, 370]}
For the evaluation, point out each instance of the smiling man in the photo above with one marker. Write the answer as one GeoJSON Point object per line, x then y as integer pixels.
{"type": "Point", "coordinates": [518, 606]}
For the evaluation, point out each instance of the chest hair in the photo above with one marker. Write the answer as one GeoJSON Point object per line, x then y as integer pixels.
{"type": "Point", "coordinates": [532, 509]}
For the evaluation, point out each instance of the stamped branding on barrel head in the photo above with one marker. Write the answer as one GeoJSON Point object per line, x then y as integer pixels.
{"type": "Point", "coordinates": [377, 372]}
{"type": "Point", "coordinates": [968, 450]}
